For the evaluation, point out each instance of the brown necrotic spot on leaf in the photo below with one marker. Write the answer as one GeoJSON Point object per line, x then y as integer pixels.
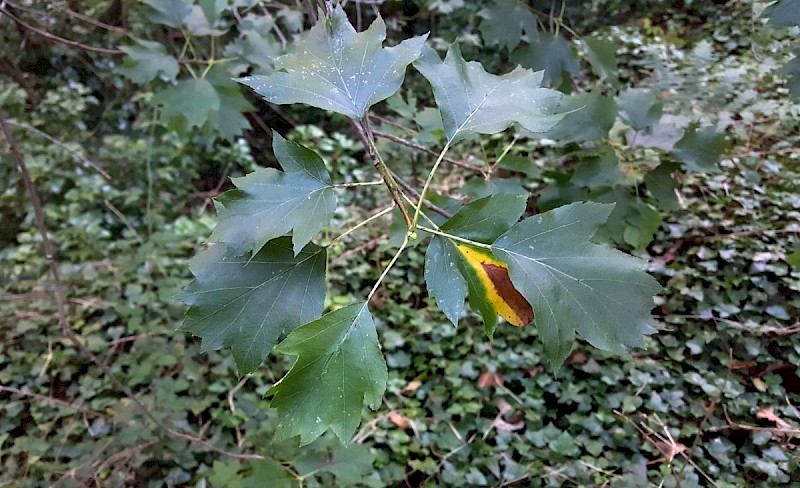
{"type": "Point", "coordinates": [502, 283]}
{"type": "Point", "coordinates": [500, 292]}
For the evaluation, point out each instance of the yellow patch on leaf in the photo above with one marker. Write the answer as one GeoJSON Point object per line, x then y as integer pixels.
{"type": "Point", "coordinates": [501, 294]}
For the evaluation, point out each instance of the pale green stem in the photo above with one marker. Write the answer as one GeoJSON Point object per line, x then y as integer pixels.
{"type": "Point", "coordinates": [388, 267]}
{"type": "Point", "coordinates": [505, 151]}
{"type": "Point", "coordinates": [455, 238]}
{"type": "Point", "coordinates": [363, 223]}
{"type": "Point", "coordinates": [424, 192]}
{"type": "Point", "coordinates": [365, 183]}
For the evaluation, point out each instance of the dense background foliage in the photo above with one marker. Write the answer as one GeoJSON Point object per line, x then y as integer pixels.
{"type": "Point", "coordinates": [129, 124]}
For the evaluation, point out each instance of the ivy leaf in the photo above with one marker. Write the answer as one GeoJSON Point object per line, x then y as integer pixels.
{"type": "Point", "coordinates": [246, 304]}
{"type": "Point", "coordinates": [473, 101]}
{"type": "Point", "coordinates": [483, 221]}
{"type": "Point", "coordinates": [640, 108]}
{"type": "Point", "coordinates": [171, 13]}
{"type": "Point", "coordinates": [335, 68]}
{"type": "Point", "coordinates": [268, 203]}
{"type": "Point", "coordinates": [147, 60]}
{"type": "Point", "coordinates": [554, 55]}
{"type": "Point", "coordinates": [188, 103]}
{"type": "Point", "coordinates": [576, 285]}
{"type": "Point", "coordinates": [339, 367]}
{"type": "Point", "coordinates": [503, 23]}
{"type": "Point", "coordinates": [700, 150]}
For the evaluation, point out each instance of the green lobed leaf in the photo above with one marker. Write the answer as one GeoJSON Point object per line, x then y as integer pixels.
{"type": "Point", "coordinates": [146, 60]}
{"type": "Point", "coordinates": [602, 55]}
{"type": "Point", "coordinates": [247, 303]}
{"type": "Point", "coordinates": [188, 103]}
{"type": "Point", "coordinates": [212, 9]}
{"type": "Point", "coordinates": [503, 23]}
{"type": "Point", "coordinates": [662, 185]}
{"type": "Point", "coordinates": [576, 285]}
{"type": "Point", "coordinates": [473, 101]}
{"type": "Point", "coordinates": [269, 203]}
{"type": "Point", "coordinates": [792, 71]}
{"type": "Point", "coordinates": [199, 26]}
{"type": "Point", "coordinates": [171, 13]}
{"type": "Point", "coordinates": [351, 464]}
{"type": "Point", "coordinates": [229, 121]}
{"type": "Point", "coordinates": [590, 117]}
{"type": "Point", "coordinates": [339, 368]}
{"type": "Point", "coordinates": [482, 220]}
{"type": "Point", "coordinates": [640, 108]}
{"type": "Point", "coordinates": [700, 150]}
{"type": "Point", "coordinates": [783, 13]}
{"type": "Point", "coordinates": [632, 222]}
{"type": "Point", "coordinates": [268, 472]}
{"type": "Point", "coordinates": [335, 68]}
{"type": "Point", "coordinates": [599, 169]}
{"type": "Point", "coordinates": [554, 55]}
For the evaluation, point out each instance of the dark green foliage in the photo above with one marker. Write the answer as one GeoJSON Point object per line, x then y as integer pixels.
{"type": "Point", "coordinates": [458, 409]}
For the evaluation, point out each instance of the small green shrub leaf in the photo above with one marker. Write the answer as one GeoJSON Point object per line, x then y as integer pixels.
{"type": "Point", "coordinates": [640, 108]}
{"type": "Point", "coordinates": [339, 368]}
{"type": "Point", "coordinates": [503, 23]}
{"type": "Point", "coordinates": [700, 150]}
{"type": "Point", "coordinates": [554, 55]}
{"type": "Point", "coordinates": [335, 68]}
{"type": "Point", "coordinates": [188, 103]}
{"type": "Point", "coordinates": [602, 55]}
{"type": "Point", "coordinates": [171, 13]}
{"type": "Point", "coordinates": [146, 60]}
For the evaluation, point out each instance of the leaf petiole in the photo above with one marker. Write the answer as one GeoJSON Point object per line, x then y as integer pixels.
{"type": "Point", "coordinates": [363, 183]}
{"type": "Point", "coordinates": [455, 237]}
{"type": "Point", "coordinates": [388, 267]}
{"type": "Point", "coordinates": [424, 192]}
{"type": "Point", "coordinates": [362, 223]}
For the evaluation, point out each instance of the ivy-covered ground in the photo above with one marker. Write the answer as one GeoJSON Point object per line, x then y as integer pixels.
{"type": "Point", "coordinates": [714, 399]}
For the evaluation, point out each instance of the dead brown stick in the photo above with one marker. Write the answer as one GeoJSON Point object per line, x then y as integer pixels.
{"type": "Point", "coordinates": [60, 295]}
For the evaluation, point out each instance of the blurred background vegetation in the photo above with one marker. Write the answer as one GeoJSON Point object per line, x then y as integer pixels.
{"type": "Point", "coordinates": [126, 167]}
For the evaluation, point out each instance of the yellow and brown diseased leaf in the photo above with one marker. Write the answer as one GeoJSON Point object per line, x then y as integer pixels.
{"type": "Point", "coordinates": [449, 278]}
{"type": "Point", "coordinates": [491, 290]}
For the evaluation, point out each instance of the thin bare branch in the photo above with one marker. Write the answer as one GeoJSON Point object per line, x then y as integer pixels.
{"type": "Point", "coordinates": [427, 150]}
{"type": "Point", "coordinates": [49, 399]}
{"type": "Point", "coordinates": [96, 23]}
{"type": "Point", "coordinates": [62, 145]}
{"type": "Point", "coordinates": [414, 193]}
{"type": "Point", "coordinates": [57, 39]}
